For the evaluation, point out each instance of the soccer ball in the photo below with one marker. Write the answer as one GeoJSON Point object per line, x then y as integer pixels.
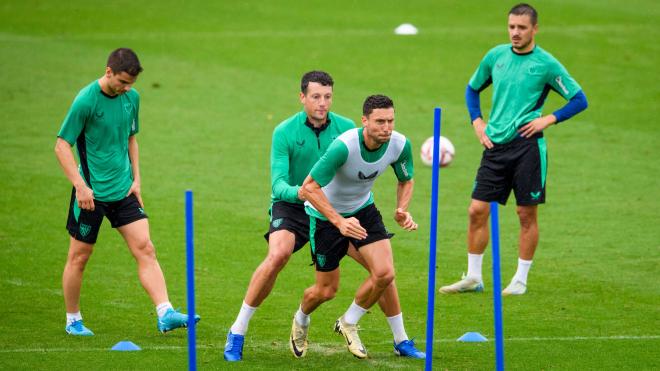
{"type": "Point", "coordinates": [447, 152]}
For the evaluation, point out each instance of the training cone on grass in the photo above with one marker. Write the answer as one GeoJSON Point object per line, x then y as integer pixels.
{"type": "Point", "coordinates": [472, 337]}
{"type": "Point", "coordinates": [126, 346]}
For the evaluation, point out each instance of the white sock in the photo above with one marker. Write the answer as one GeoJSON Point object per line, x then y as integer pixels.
{"type": "Point", "coordinates": [523, 270]}
{"type": "Point", "coordinates": [73, 317]}
{"type": "Point", "coordinates": [396, 324]}
{"type": "Point", "coordinates": [474, 266]}
{"type": "Point", "coordinates": [163, 307]}
{"type": "Point", "coordinates": [302, 318]}
{"type": "Point", "coordinates": [243, 320]}
{"type": "Point", "coordinates": [353, 314]}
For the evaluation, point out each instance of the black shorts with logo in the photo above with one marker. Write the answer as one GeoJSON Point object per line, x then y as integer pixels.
{"type": "Point", "coordinates": [84, 225]}
{"type": "Point", "coordinates": [290, 217]}
{"type": "Point", "coordinates": [520, 165]}
{"type": "Point", "coordinates": [329, 246]}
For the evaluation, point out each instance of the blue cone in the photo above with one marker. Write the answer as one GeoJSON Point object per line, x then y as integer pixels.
{"type": "Point", "coordinates": [472, 337]}
{"type": "Point", "coordinates": [126, 346]}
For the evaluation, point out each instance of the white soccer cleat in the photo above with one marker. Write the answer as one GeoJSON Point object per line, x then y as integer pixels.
{"type": "Point", "coordinates": [353, 341]}
{"type": "Point", "coordinates": [466, 284]}
{"type": "Point", "coordinates": [515, 288]}
{"type": "Point", "coordinates": [298, 340]}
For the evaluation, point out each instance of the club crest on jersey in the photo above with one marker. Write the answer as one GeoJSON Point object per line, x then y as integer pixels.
{"type": "Point", "coordinates": [367, 177]}
{"type": "Point", "coordinates": [128, 107]}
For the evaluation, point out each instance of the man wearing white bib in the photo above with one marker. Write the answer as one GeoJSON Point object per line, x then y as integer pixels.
{"type": "Point", "coordinates": [342, 210]}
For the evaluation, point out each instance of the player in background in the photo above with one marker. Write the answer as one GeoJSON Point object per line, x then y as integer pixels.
{"type": "Point", "coordinates": [297, 143]}
{"type": "Point", "coordinates": [515, 155]}
{"type": "Point", "coordinates": [102, 122]}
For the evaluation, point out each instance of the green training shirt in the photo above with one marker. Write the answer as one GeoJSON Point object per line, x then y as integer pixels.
{"type": "Point", "coordinates": [521, 83]}
{"type": "Point", "coordinates": [99, 126]}
{"type": "Point", "coordinates": [348, 170]}
{"type": "Point", "coordinates": [295, 149]}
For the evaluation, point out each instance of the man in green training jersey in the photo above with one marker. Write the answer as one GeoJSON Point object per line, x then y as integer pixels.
{"type": "Point", "coordinates": [515, 157]}
{"type": "Point", "coordinates": [102, 123]}
{"type": "Point", "coordinates": [342, 213]}
{"type": "Point", "coordinates": [298, 143]}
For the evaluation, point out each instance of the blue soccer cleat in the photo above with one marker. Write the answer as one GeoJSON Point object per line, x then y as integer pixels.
{"type": "Point", "coordinates": [77, 328]}
{"type": "Point", "coordinates": [234, 347]}
{"type": "Point", "coordinates": [172, 320]}
{"type": "Point", "coordinates": [407, 348]}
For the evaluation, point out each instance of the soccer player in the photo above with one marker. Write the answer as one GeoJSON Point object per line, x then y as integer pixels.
{"type": "Point", "coordinates": [341, 210]}
{"type": "Point", "coordinates": [298, 142]}
{"type": "Point", "coordinates": [102, 123]}
{"type": "Point", "coordinates": [515, 157]}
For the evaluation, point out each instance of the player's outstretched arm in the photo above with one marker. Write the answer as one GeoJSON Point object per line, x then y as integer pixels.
{"type": "Point", "coordinates": [404, 192]}
{"type": "Point", "coordinates": [84, 194]}
{"type": "Point", "coordinates": [349, 227]}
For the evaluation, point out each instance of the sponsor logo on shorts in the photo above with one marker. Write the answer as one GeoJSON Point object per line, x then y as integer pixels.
{"type": "Point", "coordinates": [367, 177]}
{"type": "Point", "coordinates": [535, 195]}
{"type": "Point", "coordinates": [85, 229]}
{"type": "Point", "coordinates": [320, 259]}
{"type": "Point", "coordinates": [277, 222]}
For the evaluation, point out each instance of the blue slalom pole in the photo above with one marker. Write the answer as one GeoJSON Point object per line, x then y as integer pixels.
{"type": "Point", "coordinates": [430, 310]}
{"type": "Point", "coordinates": [190, 279]}
{"type": "Point", "coordinates": [497, 288]}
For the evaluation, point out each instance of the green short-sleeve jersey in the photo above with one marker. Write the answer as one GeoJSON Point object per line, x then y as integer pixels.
{"type": "Point", "coordinates": [295, 149]}
{"type": "Point", "coordinates": [521, 83]}
{"type": "Point", "coordinates": [99, 126]}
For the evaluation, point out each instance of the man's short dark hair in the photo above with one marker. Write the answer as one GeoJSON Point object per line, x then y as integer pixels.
{"type": "Point", "coordinates": [319, 77]}
{"type": "Point", "coordinates": [525, 9]}
{"type": "Point", "coordinates": [124, 60]}
{"type": "Point", "coordinates": [374, 102]}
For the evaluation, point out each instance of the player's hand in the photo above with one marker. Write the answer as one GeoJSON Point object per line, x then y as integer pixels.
{"type": "Point", "coordinates": [135, 189]}
{"type": "Point", "coordinates": [85, 197]}
{"type": "Point", "coordinates": [480, 131]}
{"type": "Point", "coordinates": [537, 125]}
{"type": "Point", "coordinates": [301, 195]}
{"type": "Point", "coordinates": [405, 220]}
{"type": "Point", "coordinates": [350, 227]}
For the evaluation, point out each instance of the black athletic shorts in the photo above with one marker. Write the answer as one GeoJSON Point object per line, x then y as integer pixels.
{"type": "Point", "coordinates": [329, 246]}
{"type": "Point", "coordinates": [84, 225]}
{"type": "Point", "coordinates": [290, 217]}
{"type": "Point", "coordinates": [520, 165]}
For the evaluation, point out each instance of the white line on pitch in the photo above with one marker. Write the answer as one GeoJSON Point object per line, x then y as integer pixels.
{"type": "Point", "coordinates": [331, 344]}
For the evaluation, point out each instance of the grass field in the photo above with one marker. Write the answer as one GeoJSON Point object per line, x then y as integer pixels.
{"type": "Point", "coordinates": [220, 75]}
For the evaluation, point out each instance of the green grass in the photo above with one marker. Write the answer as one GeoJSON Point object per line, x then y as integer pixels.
{"type": "Point", "coordinates": [220, 75]}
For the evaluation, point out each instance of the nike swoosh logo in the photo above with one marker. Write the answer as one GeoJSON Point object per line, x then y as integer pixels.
{"type": "Point", "coordinates": [365, 177]}
{"type": "Point", "coordinates": [295, 349]}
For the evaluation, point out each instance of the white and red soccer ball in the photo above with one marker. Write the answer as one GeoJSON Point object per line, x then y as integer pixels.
{"type": "Point", "coordinates": [447, 152]}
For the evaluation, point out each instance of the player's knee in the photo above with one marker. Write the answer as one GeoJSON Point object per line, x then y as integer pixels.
{"type": "Point", "coordinates": [277, 259]}
{"type": "Point", "coordinates": [328, 293]}
{"type": "Point", "coordinates": [146, 249]}
{"type": "Point", "coordinates": [478, 214]}
{"type": "Point", "coordinates": [527, 217]}
{"type": "Point", "coordinates": [384, 277]}
{"type": "Point", "coordinates": [80, 258]}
